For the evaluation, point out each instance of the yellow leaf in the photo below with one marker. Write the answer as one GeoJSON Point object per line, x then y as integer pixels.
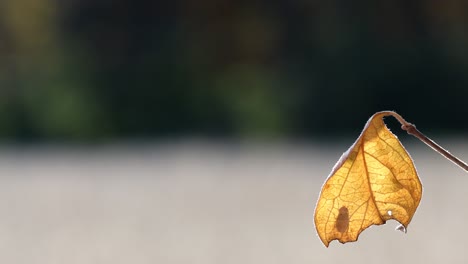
{"type": "Point", "coordinates": [374, 181]}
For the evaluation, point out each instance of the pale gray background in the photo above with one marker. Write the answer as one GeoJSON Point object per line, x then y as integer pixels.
{"type": "Point", "coordinates": [196, 202]}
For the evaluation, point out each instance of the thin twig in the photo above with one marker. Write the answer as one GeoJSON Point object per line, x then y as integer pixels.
{"type": "Point", "coordinates": [411, 129]}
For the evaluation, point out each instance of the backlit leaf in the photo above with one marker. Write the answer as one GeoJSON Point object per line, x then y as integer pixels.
{"type": "Point", "coordinates": [374, 181]}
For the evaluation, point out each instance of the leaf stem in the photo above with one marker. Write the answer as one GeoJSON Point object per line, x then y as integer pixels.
{"type": "Point", "coordinates": [411, 129]}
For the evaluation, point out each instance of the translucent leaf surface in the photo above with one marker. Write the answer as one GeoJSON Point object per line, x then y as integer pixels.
{"type": "Point", "coordinates": [374, 181]}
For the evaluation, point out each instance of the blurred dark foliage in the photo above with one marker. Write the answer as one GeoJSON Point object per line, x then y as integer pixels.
{"type": "Point", "coordinates": [90, 70]}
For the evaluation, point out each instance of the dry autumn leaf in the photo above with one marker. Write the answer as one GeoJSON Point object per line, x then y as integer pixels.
{"type": "Point", "coordinates": [374, 181]}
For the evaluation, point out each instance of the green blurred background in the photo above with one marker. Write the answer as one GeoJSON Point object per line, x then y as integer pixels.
{"type": "Point", "coordinates": [91, 71]}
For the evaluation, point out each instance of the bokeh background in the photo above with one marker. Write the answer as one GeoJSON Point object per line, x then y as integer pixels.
{"type": "Point", "coordinates": [201, 131]}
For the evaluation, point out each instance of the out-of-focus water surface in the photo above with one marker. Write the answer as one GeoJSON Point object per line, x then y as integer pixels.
{"type": "Point", "coordinates": [209, 203]}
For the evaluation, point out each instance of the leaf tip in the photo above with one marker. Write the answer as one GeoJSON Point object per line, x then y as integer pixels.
{"type": "Point", "coordinates": [325, 242]}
